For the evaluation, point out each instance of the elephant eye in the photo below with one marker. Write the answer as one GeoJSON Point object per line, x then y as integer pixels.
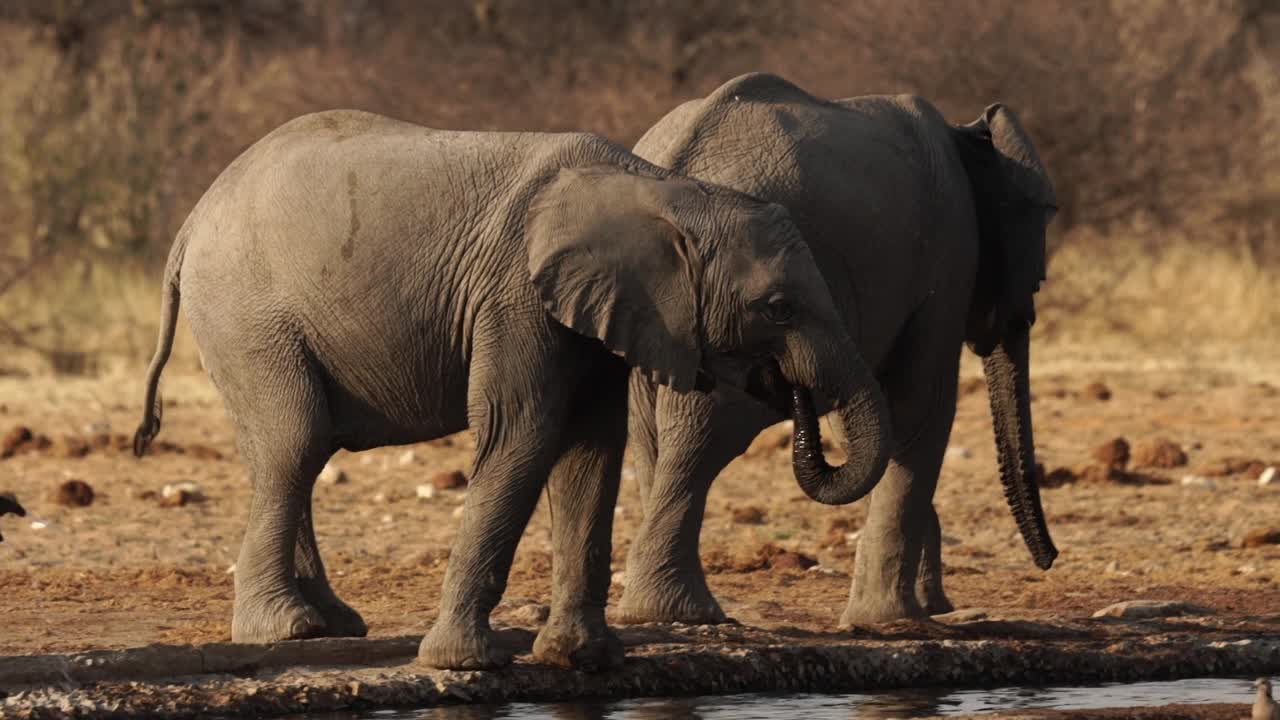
{"type": "Point", "coordinates": [779, 310]}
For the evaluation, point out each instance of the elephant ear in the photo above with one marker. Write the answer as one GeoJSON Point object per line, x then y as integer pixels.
{"type": "Point", "coordinates": [609, 262]}
{"type": "Point", "coordinates": [1015, 202]}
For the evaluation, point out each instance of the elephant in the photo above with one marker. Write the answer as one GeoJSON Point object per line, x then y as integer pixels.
{"type": "Point", "coordinates": [929, 236]}
{"type": "Point", "coordinates": [355, 281]}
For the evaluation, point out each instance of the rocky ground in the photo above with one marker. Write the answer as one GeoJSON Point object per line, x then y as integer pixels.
{"type": "Point", "coordinates": [117, 552]}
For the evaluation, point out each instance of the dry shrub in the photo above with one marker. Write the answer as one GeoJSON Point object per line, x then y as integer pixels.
{"type": "Point", "coordinates": [1160, 123]}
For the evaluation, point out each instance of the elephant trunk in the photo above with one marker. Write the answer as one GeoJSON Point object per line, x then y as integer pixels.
{"type": "Point", "coordinates": [864, 418]}
{"type": "Point", "coordinates": [1007, 368]}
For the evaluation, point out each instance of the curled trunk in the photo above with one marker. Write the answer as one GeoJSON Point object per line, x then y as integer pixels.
{"type": "Point", "coordinates": [1007, 368]}
{"type": "Point", "coordinates": [864, 419]}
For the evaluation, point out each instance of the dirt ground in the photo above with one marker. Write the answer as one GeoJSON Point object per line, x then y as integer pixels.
{"type": "Point", "coordinates": [127, 570]}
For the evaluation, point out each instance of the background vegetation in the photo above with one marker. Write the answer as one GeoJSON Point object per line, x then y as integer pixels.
{"type": "Point", "coordinates": [1159, 120]}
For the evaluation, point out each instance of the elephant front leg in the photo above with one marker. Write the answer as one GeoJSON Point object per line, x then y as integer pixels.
{"type": "Point", "coordinates": [898, 566]}
{"type": "Point", "coordinates": [582, 492]}
{"type": "Point", "coordinates": [698, 435]}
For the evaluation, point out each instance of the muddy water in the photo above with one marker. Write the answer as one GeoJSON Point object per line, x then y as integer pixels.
{"type": "Point", "coordinates": [896, 704]}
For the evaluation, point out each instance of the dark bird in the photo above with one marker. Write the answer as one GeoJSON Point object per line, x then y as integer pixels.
{"type": "Point", "coordinates": [9, 504]}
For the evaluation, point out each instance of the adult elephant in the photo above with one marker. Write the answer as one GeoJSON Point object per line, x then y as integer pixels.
{"type": "Point", "coordinates": [355, 281]}
{"type": "Point", "coordinates": [929, 235]}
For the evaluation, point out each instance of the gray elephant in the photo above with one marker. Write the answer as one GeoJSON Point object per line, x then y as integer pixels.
{"type": "Point", "coordinates": [355, 281]}
{"type": "Point", "coordinates": [929, 236]}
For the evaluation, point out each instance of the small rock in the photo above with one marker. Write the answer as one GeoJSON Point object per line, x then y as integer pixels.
{"type": "Point", "coordinates": [1268, 476]}
{"type": "Point", "coordinates": [1198, 481]}
{"type": "Point", "coordinates": [426, 492]}
{"type": "Point", "coordinates": [451, 480]}
{"type": "Point", "coordinates": [530, 615]}
{"type": "Point", "coordinates": [71, 447]}
{"type": "Point", "coordinates": [957, 452]}
{"type": "Point", "coordinates": [408, 457]}
{"type": "Point", "coordinates": [458, 511]}
{"type": "Point", "coordinates": [15, 439]}
{"type": "Point", "coordinates": [39, 525]}
{"type": "Point", "coordinates": [1259, 538]}
{"type": "Point", "coordinates": [179, 494]}
{"type": "Point", "coordinates": [750, 515]}
{"type": "Point", "coordinates": [1097, 391]}
{"type": "Point", "coordinates": [1113, 453]}
{"type": "Point", "coordinates": [387, 519]}
{"type": "Point", "coordinates": [332, 475]}
{"type": "Point", "coordinates": [1160, 453]}
{"type": "Point", "coordinates": [1142, 609]}
{"type": "Point", "coordinates": [74, 493]}
{"type": "Point", "coordinates": [231, 569]}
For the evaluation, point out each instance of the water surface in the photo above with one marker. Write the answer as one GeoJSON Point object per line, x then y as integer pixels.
{"type": "Point", "coordinates": [893, 704]}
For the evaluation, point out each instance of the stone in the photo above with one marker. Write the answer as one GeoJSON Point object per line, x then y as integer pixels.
{"type": "Point", "coordinates": [1144, 609]}
{"type": "Point", "coordinates": [332, 475]}
{"type": "Point", "coordinates": [750, 515]}
{"type": "Point", "coordinates": [70, 447]}
{"type": "Point", "coordinates": [408, 457]}
{"type": "Point", "coordinates": [530, 615]}
{"type": "Point", "coordinates": [1198, 481]}
{"type": "Point", "coordinates": [14, 440]}
{"type": "Point", "coordinates": [1259, 538]}
{"type": "Point", "coordinates": [957, 452]}
{"type": "Point", "coordinates": [179, 494]}
{"type": "Point", "coordinates": [74, 493]}
{"type": "Point", "coordinates": [426, 492]}
{"type": "Point", "coordinates": [449, 480]}
{"type": "Point", "coordinates": [1159, 453]}
{"type": "Point", "coordinates": [1113, 453]}
{"type": "Point", "coordinates": [458, 511]}
{"type": "Point", "coordinates": [1268, 477]}
{"type": "Point", "coordinates": [1097, 391]}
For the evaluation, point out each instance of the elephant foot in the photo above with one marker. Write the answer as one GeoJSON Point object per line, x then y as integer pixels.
{"type": "Point", "coordinates": [691, 603]}
{"type": "Point", "coordinates": [267, 621]}
{"type": "Point", "coordinates": [451, 645]}
{"type": "Point", "coordinates": [868, 609]}
{"type": "Point", "coordinates": [578, 643]}
{"type": "Point", "coordinates": [340, 619]}
{"type": "Point", "coordinates": [933, 600]}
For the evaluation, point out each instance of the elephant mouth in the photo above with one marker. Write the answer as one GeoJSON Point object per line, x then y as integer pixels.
{"type": "Point", "coordinates": [766, 384]}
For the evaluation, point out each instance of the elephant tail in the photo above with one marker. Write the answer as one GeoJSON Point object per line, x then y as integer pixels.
{"type": "Point", "coordinates": [169, 301]}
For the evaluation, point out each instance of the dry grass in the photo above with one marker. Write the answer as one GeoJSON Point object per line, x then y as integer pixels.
{"type": "Point", "coordinates": [1160, 123]}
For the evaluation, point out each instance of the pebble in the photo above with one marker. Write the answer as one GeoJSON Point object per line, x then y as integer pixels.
{"type": "Point", "coordinates": [426, 492]}
{"type": "Point", "coordinates": [187, 487]}
{"type": "Point", "coordinates": [457, 512]}
{"type": "Point", "coordinates": [957, 452]}
{"type": "Point", "coordinates": [1140, 609]}
{"type": "Point", "coordinates": [530, 615]}
{"type": "Point", "coordinates": [332, 475]}
{"type": "Point", "coordinates": [39, 525]}
{"type": "Point", "coordinates": [1198, 481]}
{"type": "Point", "coordinates": [449, 480]}
{"type": "Point", "coordinates": [1268, 476]}
{"type": "Point", "coordinates": [231, 569]}
{"type": "Point", "coordinates": [408, 457]}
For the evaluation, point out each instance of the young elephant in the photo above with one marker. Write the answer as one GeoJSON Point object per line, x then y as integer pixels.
{"type": "Point", "coordinates": [355, 281]}
{"type": "Point", "coordinates": [928, 236]}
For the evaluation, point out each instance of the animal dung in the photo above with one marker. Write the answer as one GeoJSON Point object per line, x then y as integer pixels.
{"type": "Point", "coordinates": [1113, 453]}
{"type": "Point", "coordinates": [74, 493]}
{"type": "Point", "coordinates": [15, 439]}
{"type": "Point", "coordinates": [1159, 453]}
{"type": "Point", "coordinates": [1097, 391]}
{"type": "Point", "coordinates": [1260, 538]}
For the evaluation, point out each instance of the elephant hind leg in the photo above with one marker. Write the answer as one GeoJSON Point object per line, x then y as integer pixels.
{"type": "Point", "coordinates": [341, 620]}
{"type": "Point", "coordinates": [583, 491]}
{"type": "Point", "coordinates": [929, 592]}
{"type": "Point", "coordinates": [283, 430]}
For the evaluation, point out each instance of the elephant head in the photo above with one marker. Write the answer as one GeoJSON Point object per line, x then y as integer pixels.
{"type": "Point", "coordinates": [695, 284]}
{"type": "Point", "coordinates": [1015, 202]}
